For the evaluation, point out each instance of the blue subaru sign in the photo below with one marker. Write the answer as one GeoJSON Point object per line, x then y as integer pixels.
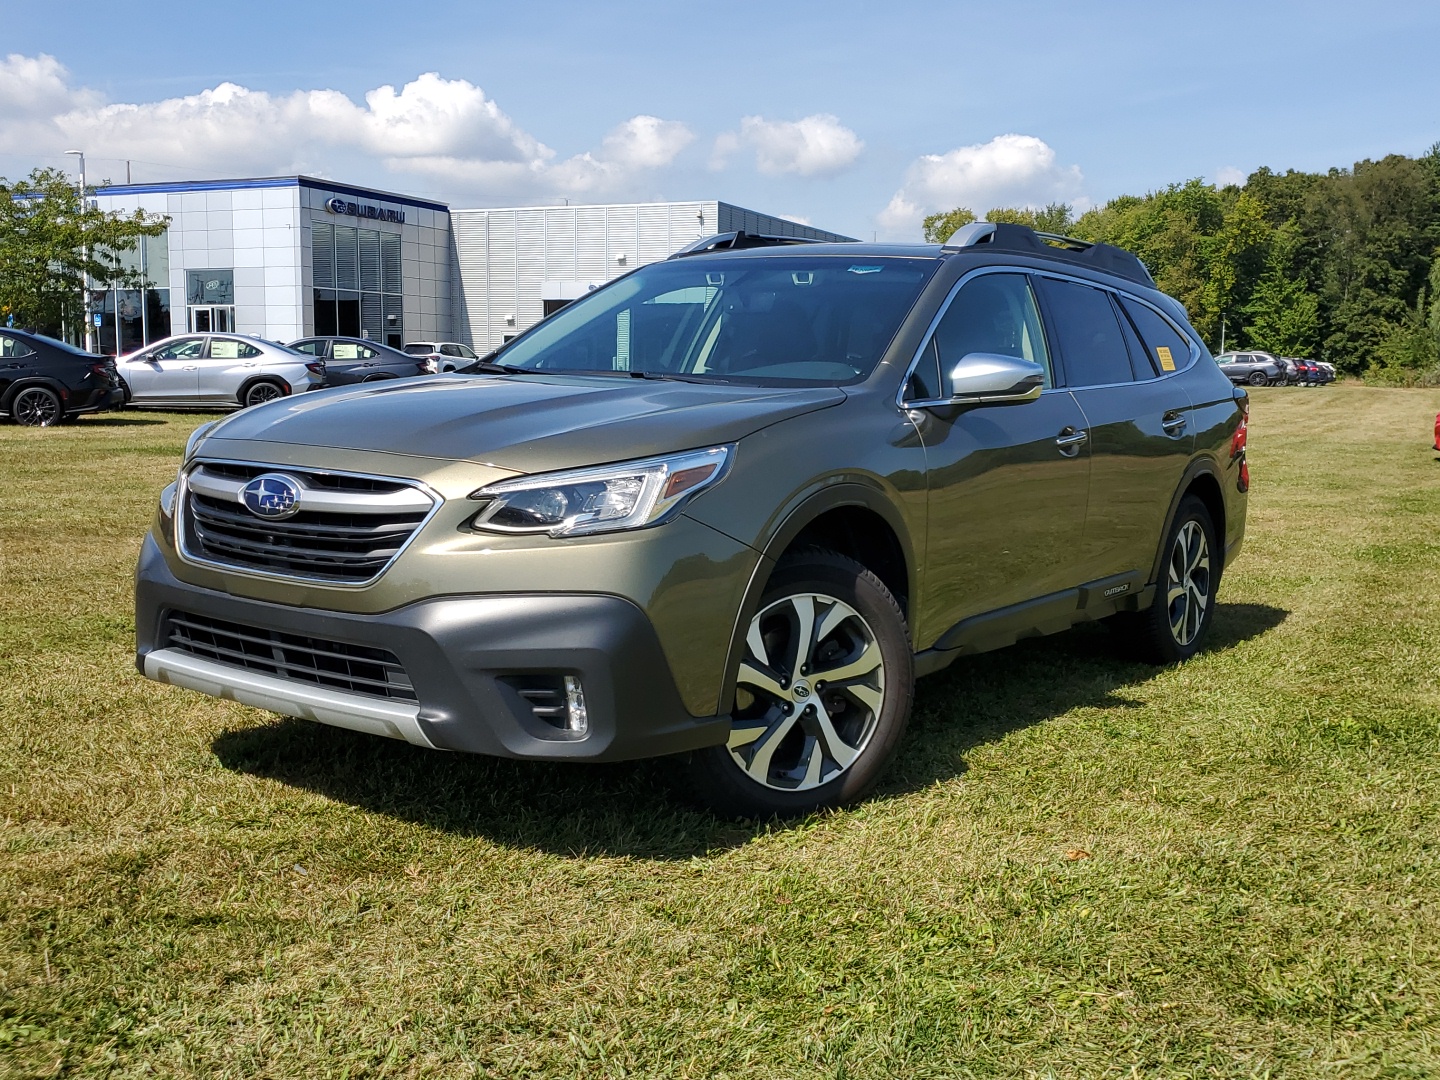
{"type": "Point", "coordinates": [272, 496]}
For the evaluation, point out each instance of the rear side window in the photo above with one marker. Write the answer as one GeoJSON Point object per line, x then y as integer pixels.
{"type": "Point", "coordinates": [1166, 348]}
{"type": "Point", "coordinates": [418, 348]}
{"type": "Point", "coordinates": [310, 348]}
{"type": "Point", "coordinates": [13, 346]}
{"type": "Point", "coordinates": [1091, 344]}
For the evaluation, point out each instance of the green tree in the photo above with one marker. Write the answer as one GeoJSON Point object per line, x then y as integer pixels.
{"type": "Point", "coordinates": [1054, 218]}
{"type": "Point", "coordinates": [1282, 316]}
{"type": "Point", "coordinates": [939, 227]}
{"type": "Point", "coordinates": [51, 242]}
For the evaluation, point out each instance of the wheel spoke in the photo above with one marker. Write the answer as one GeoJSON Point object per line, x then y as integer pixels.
{"type": "Point", "coordinates": [1176, 591]}
{"type": "Point", "coordinates": [760, 679]}
{"type": "Point", "coordinates": [831, 620]}
{"type": "Point", "coordinates": [836, 748]}
{"type": "Point", "coordinates": [868, 660]}
{"type": "Point", "coordinates": [757, 643]}
{"type": "Point", "coordinates": [814, 757]}
{"type": "Point", "coordinates": [765, 746]}
{"type": "Point", "coordinates": [868, 696]}
{"type": "Point", "coordinates": [804, 609]}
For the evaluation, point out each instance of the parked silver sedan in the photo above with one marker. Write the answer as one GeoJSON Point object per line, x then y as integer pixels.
{"type": "Point", "coordinates": [216, 371]}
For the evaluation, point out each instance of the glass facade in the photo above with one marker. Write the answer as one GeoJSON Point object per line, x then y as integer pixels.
{"type": "Point", "coordinates": [358, 290]}
{"type": "Point", "coordinates": [135, 308]}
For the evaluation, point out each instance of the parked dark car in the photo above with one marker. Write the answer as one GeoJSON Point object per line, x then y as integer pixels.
{"type": "Point", "coordinates": [44, 381]}
{"type": "Point", "coordinates": [1251, 368]}
{"type": "Point", "coordinates": [351, 360]}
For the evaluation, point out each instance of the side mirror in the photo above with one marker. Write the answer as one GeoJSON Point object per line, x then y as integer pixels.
{"type": "Point", "coordinates": [992, 379]}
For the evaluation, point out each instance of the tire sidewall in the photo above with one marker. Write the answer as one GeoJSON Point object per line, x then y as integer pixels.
{"type": "Point", "coordinates": [250, 390]}
{"type": "Point", "coordinates": [845, 580]}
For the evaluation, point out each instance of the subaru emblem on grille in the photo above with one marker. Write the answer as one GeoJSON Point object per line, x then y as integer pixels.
{"type": "Point", "coordinates": [272, 496]}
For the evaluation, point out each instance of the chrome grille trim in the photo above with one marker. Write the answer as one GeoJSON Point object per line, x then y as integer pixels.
{"type": "Point", "coordinates": [349, 530]}
{"type": "Point", "coordinates": [337, 665]}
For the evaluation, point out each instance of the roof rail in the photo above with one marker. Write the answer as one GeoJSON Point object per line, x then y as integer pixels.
{"type": "Point", "coordinates": [739, 239]}
{"type": "Point", "coordinates": [1022, 238]}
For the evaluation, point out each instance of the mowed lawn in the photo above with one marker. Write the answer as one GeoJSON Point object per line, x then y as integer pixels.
{"type": "Point", "coordinates": [1077, 866]}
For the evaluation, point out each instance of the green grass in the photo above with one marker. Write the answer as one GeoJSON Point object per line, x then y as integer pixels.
{"type": "Point", "coordinates": [1076, 867]}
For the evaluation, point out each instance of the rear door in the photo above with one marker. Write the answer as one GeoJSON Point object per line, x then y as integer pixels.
{"type": "Point", "coordinates": [225, 368]}
{"type": "Point", "coordinates": [1007, 483]}
{"type": "Point", "coordinates": [1137, 419]}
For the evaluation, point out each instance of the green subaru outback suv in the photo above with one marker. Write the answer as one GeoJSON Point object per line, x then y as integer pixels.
{"type": "Point", "coordinates": [727, 507]}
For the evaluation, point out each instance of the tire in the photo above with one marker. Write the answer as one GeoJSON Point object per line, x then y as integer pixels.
{"type": "Point", "coordinates": [797, 744]}
{"type": "Point", "coordinates": [1174, 627]}
{"type": "Point", "coordinates": [261, 391]}
{"type": "Point", "coordinates": [1256, 378]}
{"type": "Point", "coordinates": [36, 406]}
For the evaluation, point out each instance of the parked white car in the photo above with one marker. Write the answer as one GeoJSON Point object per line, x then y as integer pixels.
{"type": "Point", "coordinates": [216, 371]}
{"type": "Point", "coordinates": [448, 355]}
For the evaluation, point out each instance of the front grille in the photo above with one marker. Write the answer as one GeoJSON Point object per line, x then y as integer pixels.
{"type": "Point", "coordinates": [358, 669]}
{"type": "Point", "coordinates": [347, 531]}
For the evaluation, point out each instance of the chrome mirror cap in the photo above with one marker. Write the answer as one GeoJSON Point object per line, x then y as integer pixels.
{"type": "Point", "coordinates": [992, 379]}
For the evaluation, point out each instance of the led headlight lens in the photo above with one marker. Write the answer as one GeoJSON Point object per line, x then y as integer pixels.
{"type": "Point", "coordinates": [603, 499]}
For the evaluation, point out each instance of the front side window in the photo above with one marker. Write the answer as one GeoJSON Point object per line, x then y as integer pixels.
{"type": "Point", "coordinates": [992, 313]}
{"type": "Point", "coordinates": [13, 346]}
{"type": "Point", "coordinates": [1091, 345]}
{"type": "Point", "coordinates": [802, 320]}
{"type": "Point", "coordinates": [181, 349]}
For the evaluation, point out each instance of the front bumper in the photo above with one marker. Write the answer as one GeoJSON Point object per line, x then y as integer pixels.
{"type": "Point", "coordinates": [460, 653]}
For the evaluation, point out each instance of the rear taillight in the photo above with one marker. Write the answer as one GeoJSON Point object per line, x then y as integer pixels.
{"type": "Point", "coordinates": [105, 371]}
{"type": "Point", "coordinates": [316, 369]}
{"type": "Point", "coordinates": [1237, 445]}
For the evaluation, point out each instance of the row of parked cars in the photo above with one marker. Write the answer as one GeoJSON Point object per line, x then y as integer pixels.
{"type": "Point", "coordinates": [44, 381]}
{"type": "Point", "coordinates": [1265, 369]}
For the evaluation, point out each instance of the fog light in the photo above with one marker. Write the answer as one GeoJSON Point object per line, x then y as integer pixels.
{"type": "Point", "coordinates": [576, 719]}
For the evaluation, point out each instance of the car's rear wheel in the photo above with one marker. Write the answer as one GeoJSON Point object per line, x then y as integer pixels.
{"type": "Point", "coordinates": [258, 393]}
{"type": "Point", "coordinates": [1174, 627]}
{"type": "Point", "coordinates": [822, 693]}
{"type": "Point", "coordinates": [1257, 378]}
{"type": "Point", "coordinates": [36, 406]}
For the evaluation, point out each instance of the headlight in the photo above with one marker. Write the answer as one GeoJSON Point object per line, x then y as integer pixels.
{"type": "Point", "coordinates": [603, 499]}
{"type": "Point", "coordinates": [195, 437]}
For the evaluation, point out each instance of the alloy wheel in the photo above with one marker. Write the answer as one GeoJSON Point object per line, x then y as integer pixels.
{"type": "Point", "coordinates": [261, 393]}
{"type": "Point", "coordinates": [1188, 590]}
{"type": "Point", "coordinates": [36, 407]}
{"type": "Point", "coordinates": [808, 693]}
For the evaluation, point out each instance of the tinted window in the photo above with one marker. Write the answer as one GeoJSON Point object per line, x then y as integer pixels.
{"type": "Point", "coordinates": [1090, 341]}
{"type": "Point", "coordinates": [310, 348]}
{"type": "Point", "coordinates": [1140, 365]}
{"type": "Point", "coordinates": [417, 348]}
{"type": "Point", "coordinates": [12, 346]}
{"type": "Point", "coordinates": [993, 313]}
{"type": "Point", "coordinates": [450, 350]}
{"type": "Point", "coordinates": [1166, 348]}
{"type": "Point", "coordinates": [467, 352]}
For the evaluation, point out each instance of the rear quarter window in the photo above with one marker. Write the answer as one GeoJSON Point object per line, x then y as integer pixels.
{"type": "Point", "coordinates": [1166, 348]}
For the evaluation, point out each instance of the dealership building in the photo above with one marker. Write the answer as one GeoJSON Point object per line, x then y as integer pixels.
{"type": "Point", "coordinates": [290, 256]}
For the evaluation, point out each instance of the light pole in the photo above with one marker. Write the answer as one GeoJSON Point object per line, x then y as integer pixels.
{"type": "Point", "coordinates": [85, 255]}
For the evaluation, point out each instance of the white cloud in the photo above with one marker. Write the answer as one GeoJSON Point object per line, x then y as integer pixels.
{"type": "Point", "coordinates": [1009, 170]}
{"type": "Point", "coordinates": [1229, 174]}
{"type": "Point", "coordinates": [446, 129]}
{"type": "Point", "coordinates": [816, 145]}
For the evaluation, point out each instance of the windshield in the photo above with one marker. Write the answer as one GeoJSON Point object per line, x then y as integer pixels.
{"type": "Point", "coordinates": [794, 321]}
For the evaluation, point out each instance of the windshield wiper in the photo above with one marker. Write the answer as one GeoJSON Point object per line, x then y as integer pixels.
{"type": "Point", "coordinates": [490, 368]}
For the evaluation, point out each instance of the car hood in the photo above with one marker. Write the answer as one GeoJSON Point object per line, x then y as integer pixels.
{"type": "Point", "coordinates": [524, 423]}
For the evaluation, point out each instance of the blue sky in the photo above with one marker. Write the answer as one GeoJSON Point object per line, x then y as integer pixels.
{"type": "Point", "coordinates": [859, 117]}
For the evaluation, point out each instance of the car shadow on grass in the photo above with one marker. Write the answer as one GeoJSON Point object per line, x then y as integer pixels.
{"type": "Point", "coordinates": [117, 421]}
{"type": "Point", "coordinates": [635, 809]}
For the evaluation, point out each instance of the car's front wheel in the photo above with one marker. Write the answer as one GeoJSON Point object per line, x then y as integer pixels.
{"type": "Point", "coordinates": [822, 694]}
{"type": "Point", "coordinates": [36, 406]}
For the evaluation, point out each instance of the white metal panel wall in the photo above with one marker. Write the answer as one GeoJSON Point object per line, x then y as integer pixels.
{"type": "Point", "coordinates": [504, 256]}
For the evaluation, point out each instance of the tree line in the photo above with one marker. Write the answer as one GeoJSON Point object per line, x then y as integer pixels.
{"type": "Point", "coordinates": [1342, 266]}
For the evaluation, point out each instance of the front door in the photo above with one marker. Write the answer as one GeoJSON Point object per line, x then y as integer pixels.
{"type": "Point", "coordinates": [165, 373]}
{"type": "Point", "coordinates": [1007, 483]}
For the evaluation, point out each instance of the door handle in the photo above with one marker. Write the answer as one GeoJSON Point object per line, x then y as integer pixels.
{"type": "Point", "coordinates": [191, 367]}
{"type": "Point", "coordinates": [1173, 423]}
{"type": "Point", "coordinates": [1069, 441]}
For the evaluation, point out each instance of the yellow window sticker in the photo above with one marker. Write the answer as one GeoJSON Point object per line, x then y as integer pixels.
{"type": "Point", "coordinates": [1166, 360]}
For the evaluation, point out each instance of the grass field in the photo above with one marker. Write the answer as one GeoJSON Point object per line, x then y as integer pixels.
{"type": "Point", "coordinates": [1076, 867]}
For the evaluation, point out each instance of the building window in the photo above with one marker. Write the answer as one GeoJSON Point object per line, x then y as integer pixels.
{"type": "Point", "coordinates": [357, 281]}
{"type": "Point", "coordinates": [210, 300]}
